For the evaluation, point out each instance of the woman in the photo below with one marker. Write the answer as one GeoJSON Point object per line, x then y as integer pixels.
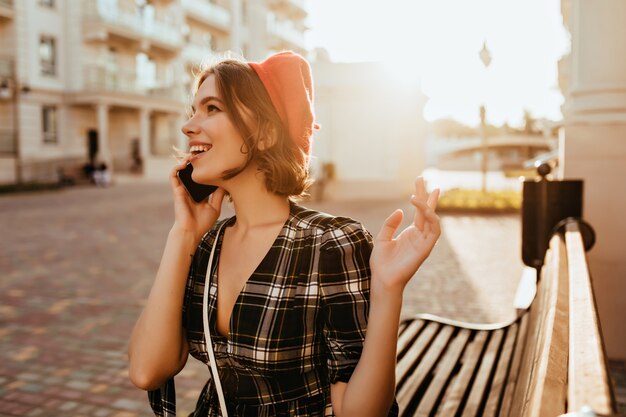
{"type": "Point", "coordinates": [290, 291]}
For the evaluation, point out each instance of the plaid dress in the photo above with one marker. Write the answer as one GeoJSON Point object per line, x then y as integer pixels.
{"type": "Point", "coordinates": [297, 326]}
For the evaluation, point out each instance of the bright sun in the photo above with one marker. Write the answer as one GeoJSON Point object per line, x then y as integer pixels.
{"type": "Point", "coordinates": [437, 43]}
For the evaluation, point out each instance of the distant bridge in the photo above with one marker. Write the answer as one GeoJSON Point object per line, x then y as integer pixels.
{"type": "Point", "coordinates": [505, 152]}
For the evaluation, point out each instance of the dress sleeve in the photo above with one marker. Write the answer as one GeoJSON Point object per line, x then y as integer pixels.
{"type": "Point", "coordinates": [344, 275]}
{"type": "Point", "coordinates": [163, 400]}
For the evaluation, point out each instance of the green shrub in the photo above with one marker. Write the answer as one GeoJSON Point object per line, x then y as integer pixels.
{"type": "Point", "coordinates": [477, 201]}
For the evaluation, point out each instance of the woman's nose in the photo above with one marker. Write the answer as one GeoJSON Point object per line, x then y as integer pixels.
{"type": "Point", "coordinates": [189, 128]}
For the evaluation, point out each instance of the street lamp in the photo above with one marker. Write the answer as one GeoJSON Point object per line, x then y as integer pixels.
{"type": "Point", "coordinates": [485, 57]}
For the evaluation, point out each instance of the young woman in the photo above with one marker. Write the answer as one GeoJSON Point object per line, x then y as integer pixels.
{"type": "Point", "coordinates": [290, 292]}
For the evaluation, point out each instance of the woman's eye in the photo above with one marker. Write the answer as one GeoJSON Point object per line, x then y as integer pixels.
{"type": "Point", "coordinates": [211, 108]}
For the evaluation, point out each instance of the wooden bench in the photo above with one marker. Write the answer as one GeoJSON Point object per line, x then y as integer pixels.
{"type": "Point", "coordinates": [547, 362]}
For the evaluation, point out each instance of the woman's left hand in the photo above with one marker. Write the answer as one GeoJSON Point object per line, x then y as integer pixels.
{"type": "Point", "coordinates": [394, 261]}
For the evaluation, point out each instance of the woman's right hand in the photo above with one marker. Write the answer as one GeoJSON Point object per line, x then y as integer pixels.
{"type": "Point", "coordinates": [189, 216]}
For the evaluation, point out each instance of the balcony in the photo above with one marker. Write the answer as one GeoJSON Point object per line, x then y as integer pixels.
{"type": "Point", "coordinates": [100, 80]}
{"type": "Point", "coordinates": [293, 8]}
{"type": "Point", "coordinates": [285, 31]}
{"type": "Point", "coordinates": [195, 54]}
{"type": "Point", "coordinates": [101, 23]}
{"type": "Point", "coordinates": [208, 13]}
{"type": "Point", "coordinates": [6, 10]}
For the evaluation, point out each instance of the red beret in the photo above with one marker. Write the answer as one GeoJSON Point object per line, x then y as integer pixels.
{"type": "Point", "coordinates": [287, 78]}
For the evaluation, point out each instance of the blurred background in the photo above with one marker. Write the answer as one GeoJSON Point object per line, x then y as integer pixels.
{"type": "Point", "coordinates": [469, 94]}
{"type": "Point", "coordinates": [400, 87]}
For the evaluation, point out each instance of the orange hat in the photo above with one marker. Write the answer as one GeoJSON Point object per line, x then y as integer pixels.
{"type": "Point", "coordinates": [287, 78]}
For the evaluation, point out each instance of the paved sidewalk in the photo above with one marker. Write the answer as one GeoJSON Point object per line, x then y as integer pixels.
{"type": "Point", "coordinates": [77, 265]}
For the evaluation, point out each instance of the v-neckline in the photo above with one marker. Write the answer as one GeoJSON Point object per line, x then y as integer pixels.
{"type": "Point", "coordinates": [215, 273]}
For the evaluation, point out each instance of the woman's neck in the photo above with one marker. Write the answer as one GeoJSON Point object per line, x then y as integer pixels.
{"type": "Point", "coordinates": [254, 205]}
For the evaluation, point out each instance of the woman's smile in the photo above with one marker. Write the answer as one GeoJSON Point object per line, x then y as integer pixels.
{"type": "Point", "coordinates": [198, 151]}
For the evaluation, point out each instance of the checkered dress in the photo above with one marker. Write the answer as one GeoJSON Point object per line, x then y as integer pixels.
{"type": "Point", "coordinates": [297, 326]}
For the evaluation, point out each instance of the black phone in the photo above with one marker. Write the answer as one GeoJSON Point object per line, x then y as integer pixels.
{"type": "Point", "coordinates": [198, 192]}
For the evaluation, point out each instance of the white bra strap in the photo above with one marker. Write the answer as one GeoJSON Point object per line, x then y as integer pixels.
{"type": "Point", "coordinates": [207, 333]}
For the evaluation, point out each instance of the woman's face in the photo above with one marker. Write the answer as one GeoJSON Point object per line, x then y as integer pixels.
{"type": "Point", "coordinates": [210, 125]}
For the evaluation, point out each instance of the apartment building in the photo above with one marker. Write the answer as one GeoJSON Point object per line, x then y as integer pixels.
{"type": "Point", "coordinates": [107, 81]}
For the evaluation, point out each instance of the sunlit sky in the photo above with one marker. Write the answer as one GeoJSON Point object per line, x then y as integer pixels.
{"type": "Point", "coordinates": [440, 40]}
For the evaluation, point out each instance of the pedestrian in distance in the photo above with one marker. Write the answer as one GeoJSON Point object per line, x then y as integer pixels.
{"type": "Point", "coordinates": [295, 311]}
{"type": "Point", "coordinates": [102, 175]}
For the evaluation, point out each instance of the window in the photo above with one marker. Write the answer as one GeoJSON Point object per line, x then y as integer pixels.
{"type": "Point", "coordinates": [47, 55]}
{"type": "Point", "coordinates": [111, 70]}
{"type": "Point", "coordinates": [146, 71]}
{"type": "Point", "coordinates": [207, 41]}
{"type": "Point", "coordinates": [46, 3]}
{"type": "Point", "coordinates": [49, 125]}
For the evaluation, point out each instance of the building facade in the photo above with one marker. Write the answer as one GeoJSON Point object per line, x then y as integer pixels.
{"type": "Point", "coordinates": [108, 81]}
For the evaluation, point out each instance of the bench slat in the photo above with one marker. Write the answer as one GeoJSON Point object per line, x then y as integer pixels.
{"type": "Point", "coordinates": [454, 395]}
{"type": "Point", "coordinates": [482, 378]}
{"type": "Point", "coordinates": [442, 374]}
{"type": "Point", "coordinates": [546, 392]}
{"type": "Point", "coordinates": [415, 380]}
{"type": "Point", "coordinates": [498, 384]}
{"type": "Point", "coordinates": [536, 328]}
{"type": "Point", "coordinates": [410, 358]}
{"type": "Point", "coordinates": [407, 336]}
{"type": "Point", "coordinates": [402, 327]}
{"type": "Point", "coordinates": [589, 383]}
{"type": "Point", "coordinates": [511, 380]}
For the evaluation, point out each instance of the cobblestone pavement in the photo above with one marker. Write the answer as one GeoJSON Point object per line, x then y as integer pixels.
{"type": "Point", "coordinates": [77, 265]}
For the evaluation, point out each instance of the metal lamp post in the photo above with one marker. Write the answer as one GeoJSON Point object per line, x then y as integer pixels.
{"type": "Point", "coordinates": [485, 57]}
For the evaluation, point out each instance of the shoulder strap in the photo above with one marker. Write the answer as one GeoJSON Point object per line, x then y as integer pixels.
{"type": "Point", "coordinates": [207, 333]}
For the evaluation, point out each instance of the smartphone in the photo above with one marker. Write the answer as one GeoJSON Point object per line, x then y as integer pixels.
{"type": "Point", "coordinates": [198, 192]}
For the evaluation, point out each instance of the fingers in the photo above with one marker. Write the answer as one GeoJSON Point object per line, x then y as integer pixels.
{"type": "Point", "coordinates": [431, 220]}
{"type": "Point", "coordinates": [433, 199]}
{"type": "Point", "coordinates": [390, 226]}
{"type": "Point", "coordinates": [174, 181]}
{"type": "Point", "coordinates": [420, 195]}
{"type": "Point", "coordinates": [216, 198]}
{"type": "Point", "coordinates": [420, 188]}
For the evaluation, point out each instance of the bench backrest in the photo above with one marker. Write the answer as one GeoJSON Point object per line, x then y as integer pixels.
{"type": "Point", "coordinates": [588, 379]}
{"type": "Point", "coordinates": [562, 365]}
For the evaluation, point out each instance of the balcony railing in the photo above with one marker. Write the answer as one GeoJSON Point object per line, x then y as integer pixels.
{"type": "Point", "coordinates": [285, 30]}
{"type": "Point", "coordinates": [301, 5]}
{"type": "Point", "coordinates": [196, 53]}
{"type": "Point", "coordinates": [127, 20]}
{"type": "Point", "coordinates": [99, 79]}
{"type": "Point", "coordinates": [171, 92]}
{"type": "Point", "coordinates": [209, 12]}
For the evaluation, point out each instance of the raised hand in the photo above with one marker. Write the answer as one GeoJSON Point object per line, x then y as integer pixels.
{"type": "Point", "coordinates": [394, 261]}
